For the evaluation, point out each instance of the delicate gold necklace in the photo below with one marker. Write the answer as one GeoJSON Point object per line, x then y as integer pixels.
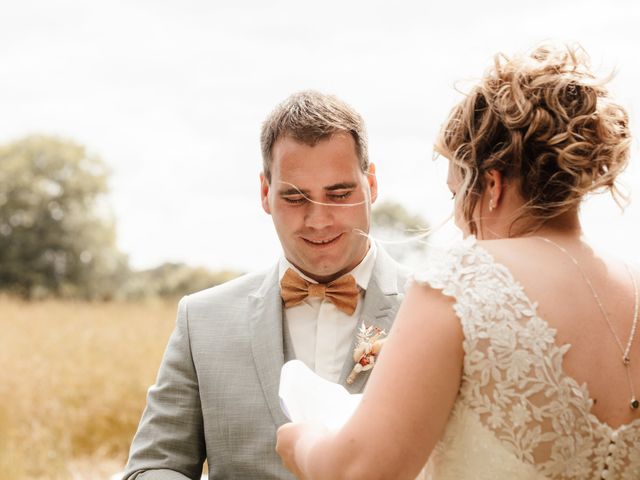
{"type": "Point", "coordinates": [626, 358]}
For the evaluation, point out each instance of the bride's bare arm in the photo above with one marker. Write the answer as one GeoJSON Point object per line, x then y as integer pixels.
{"type": "Point", "coordinates": [405, 406]}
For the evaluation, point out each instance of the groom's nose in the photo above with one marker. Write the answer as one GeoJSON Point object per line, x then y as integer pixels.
{"type": "Point", "coordinates": [318, 216]}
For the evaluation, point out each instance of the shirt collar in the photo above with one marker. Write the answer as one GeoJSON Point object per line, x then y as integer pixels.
{"type": "Point", "coordinates": [362, 272]}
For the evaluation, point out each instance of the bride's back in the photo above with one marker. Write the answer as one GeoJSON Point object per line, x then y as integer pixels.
{"type": "Point", "coordinates": [567, 303]}
{"type": "Point", "coordinates": [530, 405]}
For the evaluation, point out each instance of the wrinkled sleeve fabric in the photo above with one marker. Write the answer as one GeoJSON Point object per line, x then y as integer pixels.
{"type": "Point", "coordinates": [169, 443]}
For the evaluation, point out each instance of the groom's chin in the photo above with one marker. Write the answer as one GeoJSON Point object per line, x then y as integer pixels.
{"type": "Point", "coordinates": [322, 268]}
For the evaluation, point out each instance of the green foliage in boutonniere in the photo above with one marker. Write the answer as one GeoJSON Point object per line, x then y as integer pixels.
{"type": "Point", "coordinates": [368, 346]}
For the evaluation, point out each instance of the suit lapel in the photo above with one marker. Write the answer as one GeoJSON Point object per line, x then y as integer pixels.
{"type": "Point", "coordinates": [381, 302]}
{"type": "Point", "coordinates": [265, 324]}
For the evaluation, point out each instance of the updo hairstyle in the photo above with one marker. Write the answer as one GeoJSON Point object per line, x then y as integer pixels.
{"type": "Point", "coordinates": [547, 124]}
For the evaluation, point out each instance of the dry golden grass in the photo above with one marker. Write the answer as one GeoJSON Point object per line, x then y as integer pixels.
{"type": "Point", "coordinates": [74, 381]}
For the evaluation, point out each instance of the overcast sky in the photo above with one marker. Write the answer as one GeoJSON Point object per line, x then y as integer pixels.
{"type": "Point", "coordinates": [171, 95]}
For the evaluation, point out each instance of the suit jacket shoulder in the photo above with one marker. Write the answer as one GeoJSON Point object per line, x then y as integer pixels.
{"type": "Point", "coordinates": [390, 275]}
{"type": "Point", "coordinates": [229, 299]}
{"type": "Point", "coordinates": [233, 289]}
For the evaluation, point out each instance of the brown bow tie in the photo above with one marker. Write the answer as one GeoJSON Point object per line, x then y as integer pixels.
{"type": "Point", "coordinates": [343, 292]}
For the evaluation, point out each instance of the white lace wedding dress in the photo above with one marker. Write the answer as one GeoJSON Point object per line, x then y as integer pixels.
{"type": "Point", "coordinates": [518, 415]}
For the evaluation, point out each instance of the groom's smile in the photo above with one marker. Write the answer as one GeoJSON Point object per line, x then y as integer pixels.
{"type": "Point", "coordinates": [322, 242]}
{"type": "Point", "coordinates": [320, 202]}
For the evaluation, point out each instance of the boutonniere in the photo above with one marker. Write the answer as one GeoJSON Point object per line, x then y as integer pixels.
{"type": "Point", "coordinates": [369, 343]}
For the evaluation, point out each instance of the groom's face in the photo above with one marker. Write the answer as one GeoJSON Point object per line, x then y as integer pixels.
{"type": "Point", "coordinates": [319, 199]}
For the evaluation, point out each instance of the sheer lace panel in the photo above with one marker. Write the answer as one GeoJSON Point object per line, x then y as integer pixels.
{"type": "Point", "coordinates": [513, 379]}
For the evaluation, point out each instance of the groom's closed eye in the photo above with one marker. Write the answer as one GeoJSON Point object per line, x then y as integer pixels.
{"type": "Point", "coordinates": [294, 196]}
{"type": "Point", "coordinates": [339, 195]}
{"type": "Point", "coordinates": [340, 191]}
{"type": "Point", "coordinates": [294, 199]}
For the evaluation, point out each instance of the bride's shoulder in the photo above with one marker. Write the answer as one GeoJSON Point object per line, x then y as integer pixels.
{"type": "Point", "coordinates": [467, 270]}
{"type": "Point", "coordinates": [455, 262]}
{"type": "Point", "coordinates": [500, 245]}
{"type": "Point", "coordinates": [510, 251]}
{"type": "Point", "coordinates": [472, 250]}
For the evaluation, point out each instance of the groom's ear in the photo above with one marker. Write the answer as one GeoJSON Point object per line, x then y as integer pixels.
{"type": "Point", "coordinates": [264, 193]}
{"type": "Point", "coordinates": [373, 182]}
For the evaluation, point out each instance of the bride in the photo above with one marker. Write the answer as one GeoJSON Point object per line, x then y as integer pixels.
{"type": "Point", "coordinates": [516, 354]}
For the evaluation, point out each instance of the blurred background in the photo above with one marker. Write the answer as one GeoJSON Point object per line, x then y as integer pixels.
{"type": "Point", "coordinates": [129, 162]}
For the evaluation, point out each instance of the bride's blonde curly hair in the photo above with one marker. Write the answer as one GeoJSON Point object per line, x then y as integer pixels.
{"type": "Point", "coordinates": [544, 121]}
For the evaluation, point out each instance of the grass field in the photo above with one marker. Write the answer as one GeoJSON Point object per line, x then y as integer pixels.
{"type": "Point", "coordinates": [73, 382]}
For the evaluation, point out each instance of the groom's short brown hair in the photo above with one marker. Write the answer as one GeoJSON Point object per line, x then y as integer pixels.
{"type": "Point", "coordinates": [309, 117]}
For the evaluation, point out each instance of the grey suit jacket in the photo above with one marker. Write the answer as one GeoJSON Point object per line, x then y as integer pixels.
{"type": "Point", "coordinates": [216, 395]}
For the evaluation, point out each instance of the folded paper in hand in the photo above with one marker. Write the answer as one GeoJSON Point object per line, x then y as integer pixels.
{"type": "Point", "coordinates": [307, 397]}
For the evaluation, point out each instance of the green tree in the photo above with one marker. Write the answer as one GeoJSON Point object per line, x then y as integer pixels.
{"type": "Point", "coordinates": [399, 232]}
{"type": "Point", "coordinates": [56, 234]}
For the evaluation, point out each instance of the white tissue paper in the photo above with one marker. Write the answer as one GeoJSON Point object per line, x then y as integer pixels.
{"type": "Point", "coordinates": [307, 397]}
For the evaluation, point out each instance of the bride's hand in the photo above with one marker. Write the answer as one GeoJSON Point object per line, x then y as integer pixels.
{"type": "Point", "coordinates": [287, 438]}
{"type": "Point", "coordinates": [294, 440]}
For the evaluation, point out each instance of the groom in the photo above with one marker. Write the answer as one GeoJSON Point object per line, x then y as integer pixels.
{"type": "Point", "coordinates": [216, 395]}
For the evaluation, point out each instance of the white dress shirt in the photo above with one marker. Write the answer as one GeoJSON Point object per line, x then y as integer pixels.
{"type": "Point", "coordinates": [322, 334]}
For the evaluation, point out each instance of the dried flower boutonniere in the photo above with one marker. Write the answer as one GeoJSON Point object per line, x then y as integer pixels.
{"type": "Point", "coordinates": [369, 343]}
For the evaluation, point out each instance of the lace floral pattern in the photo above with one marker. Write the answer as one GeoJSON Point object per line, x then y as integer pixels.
{"type": "Point", "coordinates": [513, 379]}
